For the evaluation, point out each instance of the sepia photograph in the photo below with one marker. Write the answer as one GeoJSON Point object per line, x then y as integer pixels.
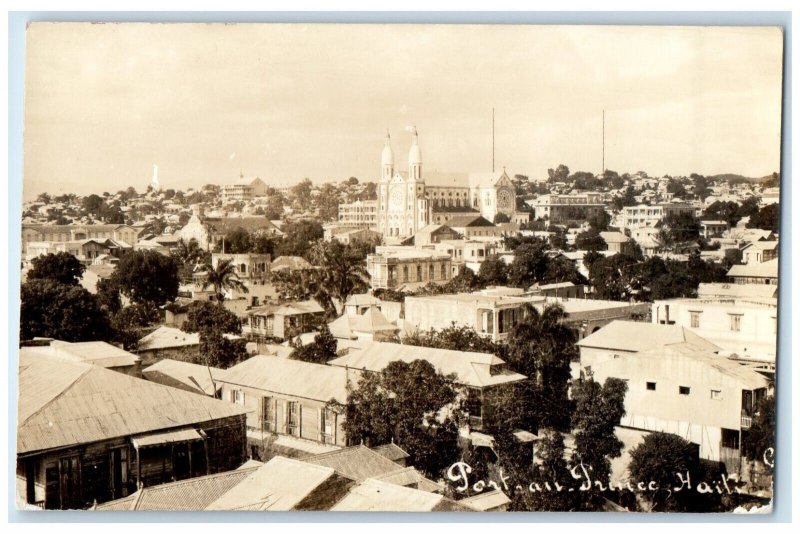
{"type": "Point", "coordinates": [398, 268]}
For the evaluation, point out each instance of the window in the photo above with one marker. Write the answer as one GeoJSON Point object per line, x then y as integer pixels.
{"type": "Point", "coordinates": [444, 272]}
{"type": "Point", "coordinates": [651, 386]}
{"type": "Point", "coordinates": [237, 396]}
{"type": "Point", "coordinates": [716, 394]}
{"type": "Point", "coordinates": [736, 322]}
{"type": "Point", "coordinates": [293, 418]}
{"type": "Point", "coordinates": [694, 319]}
{"type": "Point", "coordinates": [419, 273]}
{"type": "Point", "coordinates": [267, 414]}
{"type": "Point", "coordinates": [684, 390]}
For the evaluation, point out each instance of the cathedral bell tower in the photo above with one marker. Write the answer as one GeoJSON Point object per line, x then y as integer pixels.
{"type": "Point", "coordinates": [387, 160]}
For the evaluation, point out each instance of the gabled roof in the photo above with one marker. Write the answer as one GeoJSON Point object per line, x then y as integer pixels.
{"type": "Point", "coordinates": [410, 477]}
{"type": "Point", "coordinates": [379, 496]}
{"type": "Point", "coordinates": [766, 269]}
{"type": "Point", "coordinates": [362, 299]}
{"type": "Point", "coordinates": [167, 337]}
{"type": "Point", "coordinates": [185, 495]}
{"type": "Point", "coordinates": [358, 462]}
{"type": "Point", "coordinates": [471, 368]}
{"type": "Point", "coordinates": [94, 352]}
{"type": "Point", "coordinates": [391, 451]}
{"type": "Point", "coordinates": [738, 290]}
{"type": "Point", "coordinates": [371, 321]}
{"type": "Point", "coordinates": [65, 403]}
{"type": "Point", "coordinates": [632, 336]}
{"type": "Point", "coordinates": [185, 375]}
{"type": "Point", "coordinates": [290, 377]}
{"type": "Point", "coordinates": [279, 485]}
{"type": "Point", "coordinates": [446, 179]}
{"type": "Point", "coordinates": [485, 179]}
{"type": "Point", "coordinates": [469, 222]}
{"type": "Point", "coordinates": [761, 245]}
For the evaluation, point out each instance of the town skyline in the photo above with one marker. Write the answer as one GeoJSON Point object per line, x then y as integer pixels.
{"type": "Point", "coordinates": [215, 101]}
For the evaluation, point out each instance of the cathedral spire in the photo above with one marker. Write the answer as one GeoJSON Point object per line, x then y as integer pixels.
{"type": "Point", "coordinates": [414, 156]}
{"type": "Point", "coordinates": [387, 158]}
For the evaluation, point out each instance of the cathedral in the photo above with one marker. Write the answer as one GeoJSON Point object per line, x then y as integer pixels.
{"type": "Point", "coordinates": [408, 201]}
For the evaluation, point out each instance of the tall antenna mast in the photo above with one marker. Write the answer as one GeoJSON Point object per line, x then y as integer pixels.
{"type": "Point", "coordinates": [492, 139]}
{"type": "Point", "coordinates": [603, 170]}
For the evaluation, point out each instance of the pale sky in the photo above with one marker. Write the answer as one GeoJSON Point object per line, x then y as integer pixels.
{"type": "Point", "coordinates": [105, 102]}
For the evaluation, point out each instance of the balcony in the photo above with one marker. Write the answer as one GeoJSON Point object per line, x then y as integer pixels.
{"type": "Point", "coordinates": [747, 422]}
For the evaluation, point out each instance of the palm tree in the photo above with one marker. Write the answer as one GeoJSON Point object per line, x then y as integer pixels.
{"type": "Point", "coordinates": [189, 255]}
{"type": "Point", "coordinates": [339, 274]}
{"type": "Point", "coordinates": [223, 277]}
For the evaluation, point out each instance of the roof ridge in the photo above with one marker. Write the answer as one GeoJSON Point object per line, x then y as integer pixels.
{"type": "Point", "coordinates": [89, 368]}
{"type": "Point", "coordinates": [212, 476]}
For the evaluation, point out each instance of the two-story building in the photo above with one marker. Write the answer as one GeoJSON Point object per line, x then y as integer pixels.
{"type": "Point", "coordinates": [282, 321]}
{"type": "Point", "coordinates": [741, 319]}
{"type": "Point", "coordinates": [254, 272]}
{"type": "Point", "coordinates": [482, 375]}
{"type": "Point", "coordinates": [409, 268]}
{"type": "Point", "coordinates": [677, 384]}
{"type": "Point", "coordinates": [571, 208]}
{"type": "Point", "coordinates": [755, 273]}
{"type": "Point", "coordinates": [649, 216]}
{"type": "Point", "coordinates": [88, 434]}
{"type": "Point", "coordinates": [293, 407]}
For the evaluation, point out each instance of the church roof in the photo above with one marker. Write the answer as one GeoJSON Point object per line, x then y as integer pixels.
{"type": "Point", "coordinates": [446, 179]}
{"type": "Point", "coordinates": [469, 221]}
{"type": "Point", "coordinates": [485, 179]}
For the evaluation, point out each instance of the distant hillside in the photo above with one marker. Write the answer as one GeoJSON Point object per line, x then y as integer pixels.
{"type": "Point", "coordinates": [738, 178]}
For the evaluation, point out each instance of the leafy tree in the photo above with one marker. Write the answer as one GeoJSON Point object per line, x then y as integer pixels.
{"type": "Point", "coordinates": [627, 199]}
{"type": "Point", "coordinates": [108, 295]}
{"type": "Point", "coordinates": [321, 350]}
{"type": "Point", "coordinates": [761, 435]}
{"type": "Point", "coordinates": [298, 237]}
{"type": "Point", "coordinates": [658, 459]}
{"type": "Point", "coordinates": [541, 347]}
{"type": "Point", "coordinates": [274, 209]}
{"type": "Point", "coordinates": [701, 187]}
{"type": "Point", "coordinates": [44, 198]}
{"type": "Point", "coordinates": [610, 277]}
{"type": "Point", "coordinates": [454, 337]}
{"type": "Point", "coordinates": [501, 218]}
{"type": "Point", "coordinates": [493, 271]}
{"type": "Point", "coordinates": [213, 322]}
{"type": "Point", "coordinates": [60, 311]}
{"type": "Point", "coordinates": [767, 218]}
{"type": "Point", "coordinates": [598, 410]}
{"type": "Point", "coordinates": [681, 227]}
{"type": "Point", "coordinates": [237, 241]}
{"type": "Point", "coordinates": [263, 244]}
{"type": "Point", "coordinates": [390, 406]}
{"type": "Point", "coordinates": [328, 202]}
{"type": "Point", "coordinates": [723, 211]}
{"type": "Point", "coordinates": [676, 188]}
{"type": "Point", "coordinates": [561, 269]}
{"type": "Point", "coordinates": [92, 204]}
{"type": "Point", "coordinates": [62, 267]}
{"type": "Point", "coordinates": [147, 276]}
{"type": "Point", "coordinates": [590, 240]}
{"type": "Point", "coordinates": [223, 277]}
{"type": "Point", "coordinates": [203, 316]}
{"type": "Point", "coordinates": [560, 174]}
{"type": "Point", "coordinates": [749, 207]}
{"type": "Point", "coordinates": [600, 221]}
{"type": "Point", "coordinates": [300, 194]}
{"type": "Point", "coordinates": [530, 263]}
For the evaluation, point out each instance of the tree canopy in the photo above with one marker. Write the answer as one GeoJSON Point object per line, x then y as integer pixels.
{"type": "Point", "coordinates": [60, 311]}
{"type": "Point", "coordinates": [147, 276]}
{"type": "Point", "coordinates": [62, 267]}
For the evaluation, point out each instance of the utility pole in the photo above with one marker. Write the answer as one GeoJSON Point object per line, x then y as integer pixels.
{"type": "Point", "coordinates": [492, 140]}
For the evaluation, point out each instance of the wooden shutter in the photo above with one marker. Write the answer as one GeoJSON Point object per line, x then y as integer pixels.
{"type": "Point", "coordinates": [285, 417]}
{"type": "Point", "coordinates": [274, 416]}
{"type": "Point", "coordinates": [299, 420]}
{"type": "Point", "coordinates": [320, 426]}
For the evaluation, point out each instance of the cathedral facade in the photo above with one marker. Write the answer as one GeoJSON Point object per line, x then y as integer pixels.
{"type": "Point", "coordinates": [408, 201]}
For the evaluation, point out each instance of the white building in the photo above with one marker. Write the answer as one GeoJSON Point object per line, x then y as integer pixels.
{"type": "Point", "coordinates": [359, 214]}
{"type": "Point", "coordinates": [408, 268]}
{"type": "Point", "coordinates": [644, 215]}
{"type": "Point", "coordinates": [741, 319]}
{"type": "Point", "coordinates": [677, 384]}
{"type": "Point", "coordinates": [408, 201]}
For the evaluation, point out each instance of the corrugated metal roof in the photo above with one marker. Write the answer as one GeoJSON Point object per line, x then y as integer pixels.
{"type": "Point", "coordinates": [290, 377]}
{"type": "Point", "coordinates": [471, 368]}
{"type": "Point", "coordinates": [370, 322]}
{"type": "Point", "coordinates": [94, 352]}
{"type": "Point", "coordinates": [409, 476]}
{"type": "Point", "coordinates": [358, 462]}
{"type": "Point", "coordinates": [66, 403]}
{"type": "Point", "coordinates": [391, 451]}
{"type": "Point", "coordinates": [748, 378]}
{"type": "Point", "coordinates": [378, 496]}
{"type": "Point", "coordinates": [632, 336]}
{"type": "Point", "coordinates": [486, 500]}
{"type": "Point", "coordinates": [191, 375]}
{"type": "Point", "coordinates": [186, 495]}
{"type": "Point", "coordinates": [767, 269]}
{"type": "Point", "coordinates": [167, 337]}
{"type": "Point", "coordinates": [278, 485]}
